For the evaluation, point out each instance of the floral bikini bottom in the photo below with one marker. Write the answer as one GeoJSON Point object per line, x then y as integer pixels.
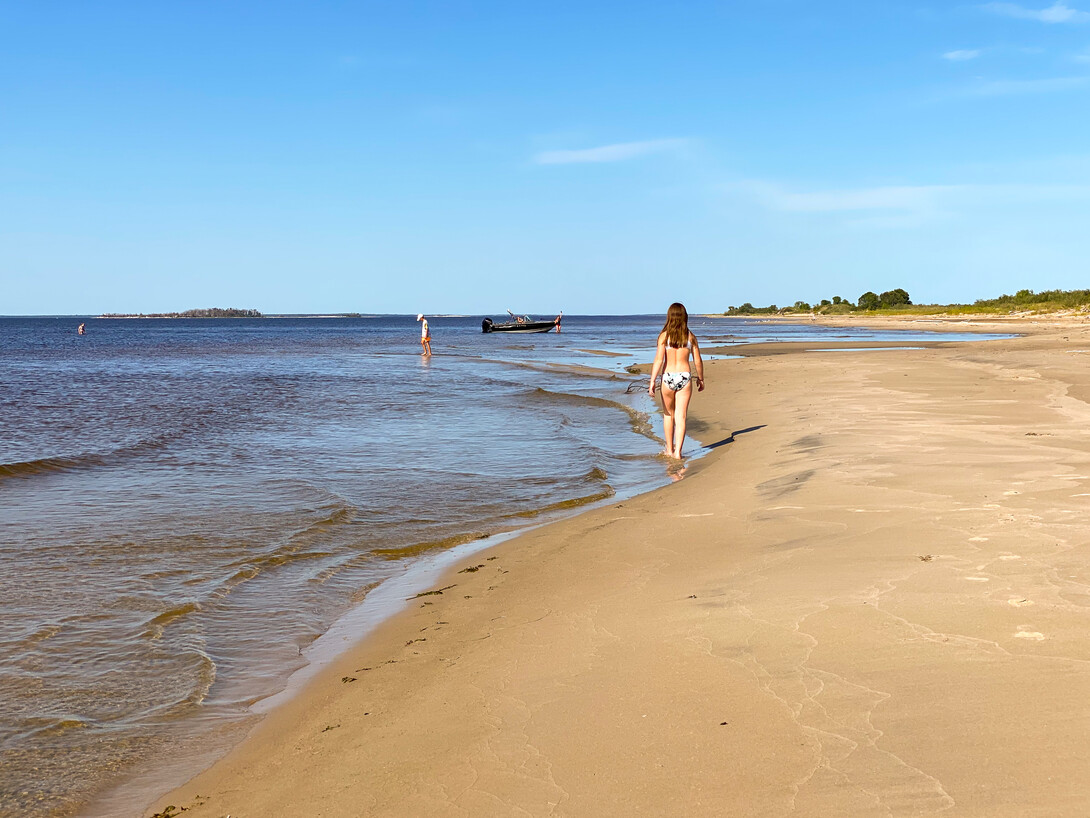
{"type": "Point", "coordinates": [676, 380]}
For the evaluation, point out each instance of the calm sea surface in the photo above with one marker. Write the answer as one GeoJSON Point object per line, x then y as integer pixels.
{"type": "Point", "coordinates": [185, 505]}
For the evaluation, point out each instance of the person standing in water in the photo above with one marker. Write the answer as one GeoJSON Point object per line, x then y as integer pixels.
{"type": "Point", "coordinates": [676, 346]}
{"type": "Point", "coordinates": [81, 329]}
{"type": "Point", "coordinates": [425, 335]}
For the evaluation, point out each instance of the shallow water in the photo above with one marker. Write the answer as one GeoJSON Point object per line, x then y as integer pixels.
{"type": "Point", "coordinates": [185, 505]}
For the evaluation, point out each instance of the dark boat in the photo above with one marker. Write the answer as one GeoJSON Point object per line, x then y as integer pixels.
{"type": "Point", "coordinates": [522, 323]}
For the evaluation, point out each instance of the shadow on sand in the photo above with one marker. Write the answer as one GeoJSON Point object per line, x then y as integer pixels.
{"type": "Point", "coordinates": [733, 435]}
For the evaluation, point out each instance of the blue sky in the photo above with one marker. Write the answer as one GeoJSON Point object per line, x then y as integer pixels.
{"type": "Point", "coordinates": [462, 157]}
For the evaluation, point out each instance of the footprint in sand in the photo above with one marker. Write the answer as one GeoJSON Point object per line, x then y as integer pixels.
{"type": "Point", "coordinates": [1019, 602]}
{"type": "Point", "coordinates": [1036, 636]}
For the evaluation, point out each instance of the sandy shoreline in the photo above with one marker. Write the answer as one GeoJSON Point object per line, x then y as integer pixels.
{"type": "Point", "coordinates": [874, 601]}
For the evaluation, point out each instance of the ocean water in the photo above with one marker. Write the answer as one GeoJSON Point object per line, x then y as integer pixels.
{"type": "Point", "coordinates": [186, 505]}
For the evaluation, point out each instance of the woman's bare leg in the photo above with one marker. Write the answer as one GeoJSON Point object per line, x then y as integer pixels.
{"type": "Point", "coordinates": [668, 398]}
{"type": "Point", "coordinates": [680, 414]}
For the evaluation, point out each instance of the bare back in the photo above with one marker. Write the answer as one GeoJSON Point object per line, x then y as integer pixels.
{"type": "Point", "coordinates": [676, 359]}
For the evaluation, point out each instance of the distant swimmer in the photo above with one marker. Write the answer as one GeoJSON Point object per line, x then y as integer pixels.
{"type": "Point", "coordinates": [82, 329]}
{"type": "Point", "coordinates": [425, 334]}
{"type": "Point", "coordinates": [676, 345]}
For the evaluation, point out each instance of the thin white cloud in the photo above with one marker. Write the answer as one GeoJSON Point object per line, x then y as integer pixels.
{"type": "Point", "coordinates": [609, 153]}
{"type": "Point", "coordinates": [905, 205]}
{"type": "Point", "coordinates": [961, 55]}
{"type": "Point", "coordinates": [1084, 57]}
{"type": "Point", "coordinates": [913, 198]}
{"type": "Point", "coordinates": [1058, 12]}
{"type": "Point", "coordinates": [1003, 88]}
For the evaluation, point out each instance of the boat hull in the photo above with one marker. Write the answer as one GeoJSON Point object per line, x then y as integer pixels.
{"type": "Point", "coordinates": [525, 327]}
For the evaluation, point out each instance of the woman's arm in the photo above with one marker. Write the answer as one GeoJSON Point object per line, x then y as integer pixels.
{"type": "Point", "coordinates": [699, 364]}
{"type": "Point", "coordinates": [660, 363]}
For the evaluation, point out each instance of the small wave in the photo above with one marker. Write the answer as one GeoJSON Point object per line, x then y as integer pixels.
{"type": "Point", "coordinates": [569, 398]}
{"type": "Point", "coordinates": [574, 502]}
{"type": "Point", "coordinates": [276, 560]}
{"type": "Point", "coordinates": [79, 462]}
{"type": "Point", "coordinates": [43, 726]}
{"type": "Point", "coordinates": [339, 513]}
{"type": "Point", "coordinates": [576, 370]}
{"type": "Point", "coordinates": [361, 593]}
{"type": "Point", "coordinates": [638, 421]}
{"type": "Point", "coordinates": [158, 623]}
{"type": "Point", "coordinates": [48, 465]}
{"type": "Point", "coordinates": [42, 634]}
{"type": "Point", "coordinates": [204, 676]}
{"type": "Point", "coordinates": [250, 567]}
{"type": "Point", "coordinates": [334, 514]}
{"type": "Point", "coordinates": [416, 549]}
{"type": "Point", "coordinates": [323, 576]}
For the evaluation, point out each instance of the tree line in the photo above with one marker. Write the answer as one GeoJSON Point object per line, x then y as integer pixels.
{"type": "Point", "coordinates": [866, 302]}
{"type": "Point", "coordinates": [898, 300]}
{"type": "Point", "coordinates": [209, 312]}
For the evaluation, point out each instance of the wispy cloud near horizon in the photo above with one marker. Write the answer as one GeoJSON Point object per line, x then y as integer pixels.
{"type": "Point", "coordinates": [1003, 88]}
{"type": "Point", "coordinates": [905, 205]}
{"type": "Point", "coordinates": [1058, 12]}
{"type": "Point", "coordinates": [961, 55]}
{"type": "Point", "coordinates": [618, 152]}
{"type": "Point", "coordinates": [913, 198]}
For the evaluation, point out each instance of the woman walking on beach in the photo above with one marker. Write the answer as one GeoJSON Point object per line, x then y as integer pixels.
{"type": "Point", "coordinates": [676, 347]}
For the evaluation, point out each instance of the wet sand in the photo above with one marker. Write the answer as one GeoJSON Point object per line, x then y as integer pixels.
{"type": "Point", "coordinates": [871, 598]}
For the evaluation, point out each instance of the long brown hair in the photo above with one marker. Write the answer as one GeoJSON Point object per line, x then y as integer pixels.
{"type": "Point", "coordinates": [677, 325]}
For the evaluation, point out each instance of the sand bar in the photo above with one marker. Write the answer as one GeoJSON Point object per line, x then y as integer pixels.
{"type": "Point", "coordinates": [871, 599]}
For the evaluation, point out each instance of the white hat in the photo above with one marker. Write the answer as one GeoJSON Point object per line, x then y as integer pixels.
{"type": "Point", "coordinates": [419, 316]}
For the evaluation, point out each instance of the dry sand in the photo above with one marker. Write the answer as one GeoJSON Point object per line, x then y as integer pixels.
{"type": "Point", "coordinates": [874, 601]}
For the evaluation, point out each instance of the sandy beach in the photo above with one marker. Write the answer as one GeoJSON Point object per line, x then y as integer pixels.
{"type": "Point", "coordinates": [872, 598]}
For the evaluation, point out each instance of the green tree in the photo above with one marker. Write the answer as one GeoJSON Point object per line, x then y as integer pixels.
{"type": "Point", "coordinates": [801, 306]}
{"type": "Point", "coordinates": [894, 298]}
{"type": "Point", "coordinates": [869, 301]}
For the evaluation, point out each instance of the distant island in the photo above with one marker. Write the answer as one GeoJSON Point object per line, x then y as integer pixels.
{"type": "Point", "coordinates": [218, 312]}
{"type": "Point", "coordinates": [898, 302]}
{"type": "Point", "coordinates": [210, 312]}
